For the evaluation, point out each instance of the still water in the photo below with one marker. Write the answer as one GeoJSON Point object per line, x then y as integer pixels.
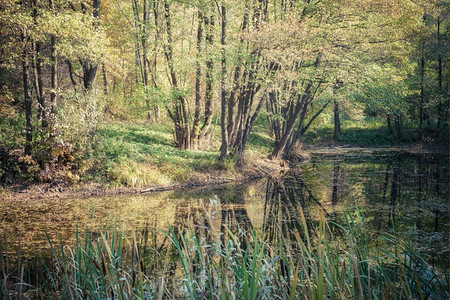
{"type": "Point", "coordinates": [405, 194]}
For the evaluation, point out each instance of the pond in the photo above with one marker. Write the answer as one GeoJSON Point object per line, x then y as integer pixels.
{"type": "Point", "coordinates": [405, 194]}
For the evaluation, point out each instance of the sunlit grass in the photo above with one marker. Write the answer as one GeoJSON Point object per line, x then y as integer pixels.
{"type": "Point", "coordinates": [141, 154]}
{"type": "Point", "coordinates": [372, 131]}
{"type": "Point", "coordinates": [144, 154]}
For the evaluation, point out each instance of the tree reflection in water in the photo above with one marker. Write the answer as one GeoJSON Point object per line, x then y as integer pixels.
{"type": "Point", "coordinates": [405, 193]}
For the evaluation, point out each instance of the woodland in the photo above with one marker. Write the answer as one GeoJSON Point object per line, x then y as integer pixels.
{"type": "Point", "coordinates": [205, 149]}
{"type": "Point", "coordinates": [116, 89]}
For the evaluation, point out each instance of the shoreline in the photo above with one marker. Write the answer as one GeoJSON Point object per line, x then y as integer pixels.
{"type": "Point", "coordinates": [259, 168]}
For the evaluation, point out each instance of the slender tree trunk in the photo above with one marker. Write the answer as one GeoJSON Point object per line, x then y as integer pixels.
{"type": "Point", "coordinates": [37, 66]}
{"type": "Point", "coordinates": [232, 126]}
{"type": "Point", "coordinates": [398, 126]}
{"type": "Point", "coordinates": [223, 121]}
{"type": "Point", "coordinates": [209, 26]}
{"type": "Point", "coordinates": [145, 34]}
{"type": "Point", "coordinates": [72, 73]}
{"type": "Point", "coordinates": [156, 109]}
{"type": "Point", "coordinates": [105, 80]}
{"type": "Point", "coordinates": [54, 75]}
{"type": "Point", "coordinates": [198, 76]}
{"type": "Point", "coordinates": [389, 123]}
{"type": "Point", "coordinates": [273, 108]}
{"type": "Point", "coordinates": [291, 124]}
{"type": "Point", "coordinates": [296, 141]}
{"type": "Point", "coordinates": [106, 89]}
{"type": "Point", "coordinates": [439, 75]}
{"type": "Point", "coordinates": [180, 115]}
{"type": "Point", "coordinates": [337, 122]}
{"type": "Point", "coordinates": [39, 84]}
{"type": "Point", "coordinates": [246, 132]}
{"type": "Point", "coordinates": [137, 49]}
{"type": "Point", "coordinates": [26, 91]}
{"type": "Point", "coordinates": [422, 92]}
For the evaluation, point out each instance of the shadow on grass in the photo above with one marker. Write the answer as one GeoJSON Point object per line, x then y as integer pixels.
{"type": "Point", "coordinates": [260, 141]}
{"type": "Point", "coordinates": [152, 144]}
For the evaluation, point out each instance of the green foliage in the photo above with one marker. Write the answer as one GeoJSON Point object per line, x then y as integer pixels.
{"type": "Point", "coordinates": [383, 91]}
{"type": "Point", "coordinates": [77, 118]}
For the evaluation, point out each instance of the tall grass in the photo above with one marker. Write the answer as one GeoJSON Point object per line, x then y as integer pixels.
{"type": "Point", "coordinates": [203, 264]}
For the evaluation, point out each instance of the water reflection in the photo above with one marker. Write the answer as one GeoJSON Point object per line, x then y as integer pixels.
{"type": "Point", "coordinates": [407, 194]}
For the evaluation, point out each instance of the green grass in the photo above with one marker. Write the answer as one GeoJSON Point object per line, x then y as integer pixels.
{"type": "Point", "coordinates": [371, 131]}
{"type": "Point", "coordinates": [131, 148]}
{"type": "Point", "coordinates": [140, 154]}
{"type": "Point", "coordinates": [203, 264]}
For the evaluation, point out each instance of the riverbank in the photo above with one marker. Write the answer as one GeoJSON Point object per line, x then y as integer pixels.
{"type": "Point", "coordinates": [126, 157]}
{"type": "Point", "coordinates": [257, 167]}
{"type": "Point", "coordinates": [413, 148]}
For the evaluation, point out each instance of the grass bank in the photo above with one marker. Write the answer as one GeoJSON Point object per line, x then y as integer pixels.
{"type": "Point", "coordinates": [124, 156]}
{"type": "Point", "coordinates": [143, 154]}
{"type": "Point", "coordinates": [373, 131]}
{"type": "Point", "coordinates": [129, 155]}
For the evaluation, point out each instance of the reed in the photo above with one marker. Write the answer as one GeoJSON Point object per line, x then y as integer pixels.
{"type": "Point", "coordinates": [196, 264]}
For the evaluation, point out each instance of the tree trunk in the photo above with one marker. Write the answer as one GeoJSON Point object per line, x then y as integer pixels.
{"type": "Point", "coordinates": [273, 108]}
{"type": "Point", "coordinates": [389, 123]}
{"type": "Point", "coordinates": [232, 128]}
{"type": "Point", "coordinates": [337, 122]}
{"type": "Point", "coordinates": [26, 91]}
{"type": "Point", "coordinates": [54, 72]}
{"type": "Point", "coordinates": [398, 126]}
{"type": "Point", "coordinates": [198, 76]}
{"type": "Point", "coordinates": [439, 120]}
{"type": "Point", "coordinates": [156, 109]}
{"type": "Point", "coordinates": [106, 89]}
{"type": "Point", "coordinates": [105, 80]}
{"type": "Point", "coordinates": [38, 65]}
{"type": "Point", "coordinates": [223, 121]}
{"type": "Point", "coordinates": [246, 132]}
{"type": "Point", "coordinates": [422, 92]}
{"type": "Point", "coordinates": [145, 34]}
{"type": "Point", "coordinates": [179, 115]}
{"type": "Point", "coordinates": [296, 140]}
{"type": "Point", "coordinates": [54, 75]}
{"type": "Point", "coordinates": [301, 106]}
{"type": "Point", "coordinates": [39, 84]}
{"type": "Point", "coordinates": [90, 69]}
{"type": "Point", "coordinates": [209, 26]}
{"type": "Point", "coordinates": [72, 73]}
